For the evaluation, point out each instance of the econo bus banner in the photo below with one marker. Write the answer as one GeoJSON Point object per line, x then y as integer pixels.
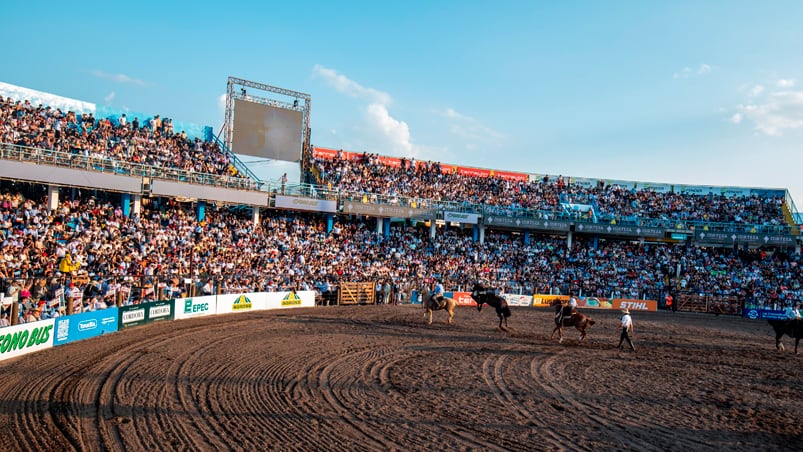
{"type": "Point", "coordinates": [27, 338]}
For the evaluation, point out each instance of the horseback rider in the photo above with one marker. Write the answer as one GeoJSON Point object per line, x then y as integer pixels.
{"type": "Point", "coordinates": [437, 294]}
{"type": "Point", "coordinates": [793, 312]}
{"type": "Point", "coordinates": [568, 309]}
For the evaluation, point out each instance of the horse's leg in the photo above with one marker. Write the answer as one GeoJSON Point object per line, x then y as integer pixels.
{"type": "Point", "coordinates": [553, 331]}
{"type": "Point", "coordinates": [451, 314]}
{"type": "Point", "coordinates": [778, 343]}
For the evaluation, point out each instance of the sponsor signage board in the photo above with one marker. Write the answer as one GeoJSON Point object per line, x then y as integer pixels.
{"type": "Point", "coordinates": [616, 229]}
{"type": "Point", "coordinates": [85, 325]}
{"type": "Point", "coordinates": [518, 300]}
{"type": "Point", "coordinates": [140, 314]}
{"type": "Point", "coordinates": [527, 223]}
{"type": "Point", "coordinates": [195, 307]}
{"type": "Point", "coordinates": [461, 217]}
{"type": "Point", "coordinates": [301, 203]}
{"type": "Point", "coordinates": [743, 237]}
{"type": "Point", "coordinates": [764, 314]}
{"type": "Point", "coordinates": [27, 338]}
{"type": "Point", "coordinates": [355, 207]}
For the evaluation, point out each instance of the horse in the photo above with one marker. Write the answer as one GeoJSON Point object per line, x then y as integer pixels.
{"type": "Point", "coordinates": [431, 305]}
{"type": "Point", "coordinates": [575, 319]}
{"type": "Point", "coordinates": [792, 328]}
{"type": "Point", "coordinates": [489, 296]}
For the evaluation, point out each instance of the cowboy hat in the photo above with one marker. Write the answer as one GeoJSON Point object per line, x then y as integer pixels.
{"type": "Point", "coordinates": [625, 311]}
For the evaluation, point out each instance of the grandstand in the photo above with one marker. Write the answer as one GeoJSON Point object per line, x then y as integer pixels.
{"type": "Point", "coordinates": [151, 207]}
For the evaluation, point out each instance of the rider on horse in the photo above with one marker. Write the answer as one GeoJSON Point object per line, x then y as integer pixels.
{"type": "Point", "coordinates": [437, 295]}
{"type": "Point", "coordinates": [569, 309]}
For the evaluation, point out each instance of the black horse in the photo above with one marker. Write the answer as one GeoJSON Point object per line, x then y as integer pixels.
{"type": "Point", "coordinates": [792, 328]}
{"type": "Point", "coordinates": [483, 295]}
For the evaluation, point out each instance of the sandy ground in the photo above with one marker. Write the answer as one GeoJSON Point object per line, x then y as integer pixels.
{"type": "Point", "coordinates": [379, 378]}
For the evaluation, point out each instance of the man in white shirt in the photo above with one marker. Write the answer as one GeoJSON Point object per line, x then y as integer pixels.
{"type": "Point", "coordinates": [627, 329]}
{"type": "Point", "coordinates": [793, 311]}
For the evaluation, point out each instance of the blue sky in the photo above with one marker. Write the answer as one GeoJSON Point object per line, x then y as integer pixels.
{"type": "Point", "coordinates": [688, 92]}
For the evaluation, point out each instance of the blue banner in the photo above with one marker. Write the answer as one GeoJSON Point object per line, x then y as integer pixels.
{"type": "Point", "coordinates": [765, 314]}
{"type": "Point", "coordinates": [77, 327]}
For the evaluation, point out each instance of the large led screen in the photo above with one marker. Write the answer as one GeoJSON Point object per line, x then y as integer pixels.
{"type": "Point", "coordinates": [266, 132]}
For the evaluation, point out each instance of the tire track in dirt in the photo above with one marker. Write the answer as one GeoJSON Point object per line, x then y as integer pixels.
{"type": "Point", "coordinates": [493, 368]}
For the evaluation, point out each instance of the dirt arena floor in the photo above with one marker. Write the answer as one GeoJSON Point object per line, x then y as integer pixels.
{"type": "Point", "coordinates": [380, 378]}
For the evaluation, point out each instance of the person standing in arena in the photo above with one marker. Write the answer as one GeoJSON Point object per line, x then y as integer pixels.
{"type": "Point", "coordinates": [627, 329]}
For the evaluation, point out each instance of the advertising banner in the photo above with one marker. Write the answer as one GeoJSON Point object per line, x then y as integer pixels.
{"type": "Point", "coordinates": [615, 229]}
{"type": "Point", "coordinates": [462, 298]}
{"type": "Point", "coordinates": [310, 204]}
{"type": "Point", "coordinates": [518, 300]}
{"type": "Point", "coordinates": [594, 303]}
{"type": "Point", "coordinates": [132, 315]}
{"type": "Point", "coordinates": [460, 217]}
{"type": "Point", "coordinates": [541, 300]}
{"type": "Point", "coordinates": [83, 326]}
{"type": "Point", "coordinates": [764, 314]}
{"type": "Point", "coordinates": [27, 338]}
{"type": "Point", "coordinates": [742, 237]}
{"type": "Point", "coordinates": [635, 305]}
{"type": "Point", "coordinates": [160, 310]}
{"type": "Point", "coordinates": [140, 314]}
{"type": "Point", "coordinates": [195, 307]}
{"type": "Point", "coordinates": [238, 303]}
{"type": "Point", "coordinates": [527, 223]}
{"type": "Point", "coordinates": [386, 210]}
{"type": "Point", "coordinates": [298, 299]}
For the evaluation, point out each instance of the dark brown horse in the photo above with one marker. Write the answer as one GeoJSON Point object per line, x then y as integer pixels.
{"type": "Point", "coordinates": [792, 328]}
{"type": "Point", "coordinates": [449, 304]}
{"type": "Point", "coordinates": [482, 296]}
{"type": "Point", "coordinates": [575, 319]}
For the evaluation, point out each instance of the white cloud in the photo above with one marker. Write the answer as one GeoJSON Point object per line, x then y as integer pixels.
{"type": "Point", "coordinates": [756, 90]}
{"type": "Point", "coordinates": [782, 110]}
{"type": "Point", "coordinates": [785, 83]}
{"type": "Point", "coordinates": [109, 97]}
{"type": "Point", "coordinates": [119, 78]}
{"type": "Point", "coordinates": [736, 118]}
{"type": "Point", "coordinates": [689, 71]}
{"type": "Point", "coordinates": [395, 133]}
{"type": "Point", "coordinates": [349, 87]}
{"type": "Point", "coordinates": [471, 129]}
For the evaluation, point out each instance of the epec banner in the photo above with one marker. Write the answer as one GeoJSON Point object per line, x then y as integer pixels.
{"type": "Point", "coordinates": [22, 339]}
{"type": "Point", "coordinates": [85, 325]}
{"type": "Point", "coordinates": [195, 307]}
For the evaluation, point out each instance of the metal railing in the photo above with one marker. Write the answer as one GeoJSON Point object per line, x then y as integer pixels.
{"type": "Point", "coordinates": [124, 168]}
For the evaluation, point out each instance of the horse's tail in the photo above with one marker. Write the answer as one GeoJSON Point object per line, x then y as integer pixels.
{"type": "Point", "coordinates": [591, 321]}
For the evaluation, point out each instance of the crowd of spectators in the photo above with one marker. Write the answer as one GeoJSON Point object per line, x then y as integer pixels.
{"type": "Point", "coordinates": [611, 203]}
{"type": "Point", "coordinates": [87, 249]}
{"type": "Point", "coordinates": [116, 140]}
{"type": "Point", "coordinates": [152, 256]}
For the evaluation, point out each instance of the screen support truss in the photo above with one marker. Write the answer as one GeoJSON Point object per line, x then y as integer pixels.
{"type": "Point", "coordinates": [238, 88]}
